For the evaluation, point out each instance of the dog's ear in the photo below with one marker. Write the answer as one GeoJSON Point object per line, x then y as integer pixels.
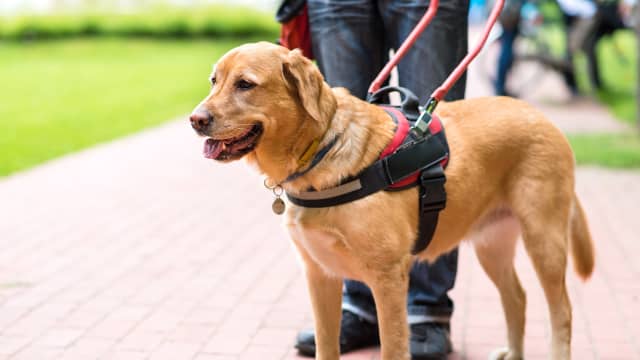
{"type": "Point", "coordinates": [304, 79]}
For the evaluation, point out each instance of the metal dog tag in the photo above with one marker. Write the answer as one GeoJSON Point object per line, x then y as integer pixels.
{"type": "Point", "coordinates": [278, 206]}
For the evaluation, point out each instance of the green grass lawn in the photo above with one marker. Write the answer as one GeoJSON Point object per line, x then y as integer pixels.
{"type": "Point", "coordinates": [62, 96]}
{"type": "Point", "coordinates": [610, 150]}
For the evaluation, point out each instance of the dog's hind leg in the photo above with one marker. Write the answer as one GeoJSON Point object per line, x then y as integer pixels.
{"type": "Point", "coordinates": [547, 248]}
{"type": "Point", "coordinates": [543, 208]}
{"type": "Point", "coordinates": [495, 244]}
{"type": "Point", "coordinates": [389, 286]}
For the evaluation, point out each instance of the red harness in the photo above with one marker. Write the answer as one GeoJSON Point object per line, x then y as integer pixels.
{"type": "Point", "coordinates": [402, 130]}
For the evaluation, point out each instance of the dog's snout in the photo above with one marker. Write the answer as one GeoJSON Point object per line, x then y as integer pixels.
{"type": "Point", "coordinates": [200, 119]}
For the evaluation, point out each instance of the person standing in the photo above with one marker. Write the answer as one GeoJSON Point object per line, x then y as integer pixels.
{"type": "Point", "coordinates": [351, 41]}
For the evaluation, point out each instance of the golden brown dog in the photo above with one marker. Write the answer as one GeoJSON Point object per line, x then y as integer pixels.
{"type": "Point", "coordinates": [511, 173]}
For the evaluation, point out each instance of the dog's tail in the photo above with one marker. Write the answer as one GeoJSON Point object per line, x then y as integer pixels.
{"type": "Point", "coordinates": [581, 243]}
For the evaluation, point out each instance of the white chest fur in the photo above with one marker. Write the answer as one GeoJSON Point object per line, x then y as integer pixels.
{"type": "Point", "coordinates": [327, 248]}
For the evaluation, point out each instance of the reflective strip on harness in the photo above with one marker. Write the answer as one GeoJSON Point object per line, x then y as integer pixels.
{"type": "Point", "coordinates": [339, 190]}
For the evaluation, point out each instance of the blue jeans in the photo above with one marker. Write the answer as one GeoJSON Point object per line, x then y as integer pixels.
{"type": "Point", "coordinates": [505, 59]}
{"type": "Point", "coordinates": [351, 42]}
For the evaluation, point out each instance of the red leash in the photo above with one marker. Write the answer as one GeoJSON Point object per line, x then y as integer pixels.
{"type": "Point", "coordinates": [406, 45]}
{"type": "Point", "coordinates": [440, 92]}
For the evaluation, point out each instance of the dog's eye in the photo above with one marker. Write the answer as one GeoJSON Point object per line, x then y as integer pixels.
{"type": "Point", "coordinates": [213, 81]}
{"type": "Point", "coordinates": [244, 85]}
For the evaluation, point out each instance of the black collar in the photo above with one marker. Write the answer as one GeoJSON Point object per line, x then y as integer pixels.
{"type": "Point", "coordinates": [316, 159]}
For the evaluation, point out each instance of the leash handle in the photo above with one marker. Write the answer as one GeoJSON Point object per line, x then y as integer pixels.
{"type": "Point", "coordinates": [406, 45]}
{"type": "Point", "coordinates": [440, 92]}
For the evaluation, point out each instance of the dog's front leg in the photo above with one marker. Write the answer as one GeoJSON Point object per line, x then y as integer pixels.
{"type": "Point", "coordinates": [326, 300]}
{"type": "Point", "coordinates": [390, 286]}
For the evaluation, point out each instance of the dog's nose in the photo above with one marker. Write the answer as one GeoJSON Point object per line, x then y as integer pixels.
{"type": "Point", "coordinates": [200, 119]}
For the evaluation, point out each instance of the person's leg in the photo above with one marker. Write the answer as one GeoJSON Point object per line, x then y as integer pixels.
{"type": "Point", "coordinates": [592, 61]}
{"type": "Point", "coordinates": [505, 60]}
{"type": "Point", "coordinates": [337, 30]}
{"type": "Point", "coordinates": [348, 42]}
{"type": "Point", "coordinates": [430, 308]}
{"type": "Point", "coordinates": [568, 75]}
{"type": "Point", "coordinates": [428, 288]}
{"type": "Point", "coordinates": [608, 20]}
{"type": "Point", "coordinates": [437, 51]}
{"type": "Point", "coordinates": [424, 68]}
{"type": "Point", "coordinates": [349, 45]}
{"type": "Point", "coordinates": [582, 37]}
{"type": "Point", "coordinates": [357, 298]}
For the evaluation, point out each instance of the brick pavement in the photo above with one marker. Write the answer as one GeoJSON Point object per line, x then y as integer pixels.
{"type": "Point", "coordinates": [141, 249]}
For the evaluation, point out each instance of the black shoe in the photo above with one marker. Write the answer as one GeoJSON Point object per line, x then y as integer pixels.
{"type": "Point", "coordinates": [355, 333]}
{"type": "Point", "coordinates": [430, 341]}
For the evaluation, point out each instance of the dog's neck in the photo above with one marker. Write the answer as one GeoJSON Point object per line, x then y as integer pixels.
{"type": "Point", "coordinates": [296, 137]}
{"type": "Point", "coordinates": [360, 132]}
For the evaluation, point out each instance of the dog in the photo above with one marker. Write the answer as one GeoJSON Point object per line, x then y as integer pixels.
{"type": "Point", "coordinates": [511, 173]}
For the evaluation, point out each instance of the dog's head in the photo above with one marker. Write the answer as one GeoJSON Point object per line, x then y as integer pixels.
{"type": "Point", "coordinates": [265, 101]}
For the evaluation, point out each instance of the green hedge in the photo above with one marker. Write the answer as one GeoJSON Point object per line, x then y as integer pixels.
{"type": "Point", "coordinates": [210, 21]}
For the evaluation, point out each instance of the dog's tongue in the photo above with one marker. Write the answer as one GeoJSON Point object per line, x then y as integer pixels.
{"type": "Point", "coordinates": [212, 149]}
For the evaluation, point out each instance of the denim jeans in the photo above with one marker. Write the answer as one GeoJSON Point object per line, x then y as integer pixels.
{"type": "Point", "coordinates": [505, 59]}
{"type": "Point", "coordinates": [351, 42]}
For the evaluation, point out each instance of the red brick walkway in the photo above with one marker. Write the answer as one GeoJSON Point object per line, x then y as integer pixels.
{"type": "Point", "coordinates": [141, 249]}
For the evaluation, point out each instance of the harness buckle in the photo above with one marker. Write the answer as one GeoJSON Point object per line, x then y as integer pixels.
{"type": "Point", "coordinates": [427, 206]}
{"type": "Point", "coordinates": [421, 127]}
{"type": "Point", "coordinates": [433, 196]}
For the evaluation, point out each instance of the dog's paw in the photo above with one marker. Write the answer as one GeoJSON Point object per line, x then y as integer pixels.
{"type": "Point", "coordinates": [504, 354]}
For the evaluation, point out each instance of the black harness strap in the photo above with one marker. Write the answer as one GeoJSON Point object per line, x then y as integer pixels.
{"type": "Point", "coordinates": [433, 198]}
{"type": "Point", "coordinates": [383, 173]}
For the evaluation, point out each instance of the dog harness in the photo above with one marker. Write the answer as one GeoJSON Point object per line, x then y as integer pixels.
{"type": "Point", "coordinates": [407, 161]}
{"type": "Point", "coordinates": [420, 157]}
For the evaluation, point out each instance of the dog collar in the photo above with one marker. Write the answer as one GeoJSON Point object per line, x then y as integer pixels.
{"type": "Point", "coordinates": [278, 205]}
{"type": "Point", "coordinates": [304, 159]}
{"type": "Point", "coordinates": [306, 156]}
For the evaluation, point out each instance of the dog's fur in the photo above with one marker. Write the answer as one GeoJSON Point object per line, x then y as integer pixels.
{"type": "Point", "coordinates": [511, 173]}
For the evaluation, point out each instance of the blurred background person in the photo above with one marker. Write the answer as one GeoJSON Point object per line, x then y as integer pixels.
{"type": "Point", "coordinates": [589, 21]}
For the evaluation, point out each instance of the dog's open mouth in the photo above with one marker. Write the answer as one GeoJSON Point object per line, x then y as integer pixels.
{"type": "Point", "coordinates": [235, 147]}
